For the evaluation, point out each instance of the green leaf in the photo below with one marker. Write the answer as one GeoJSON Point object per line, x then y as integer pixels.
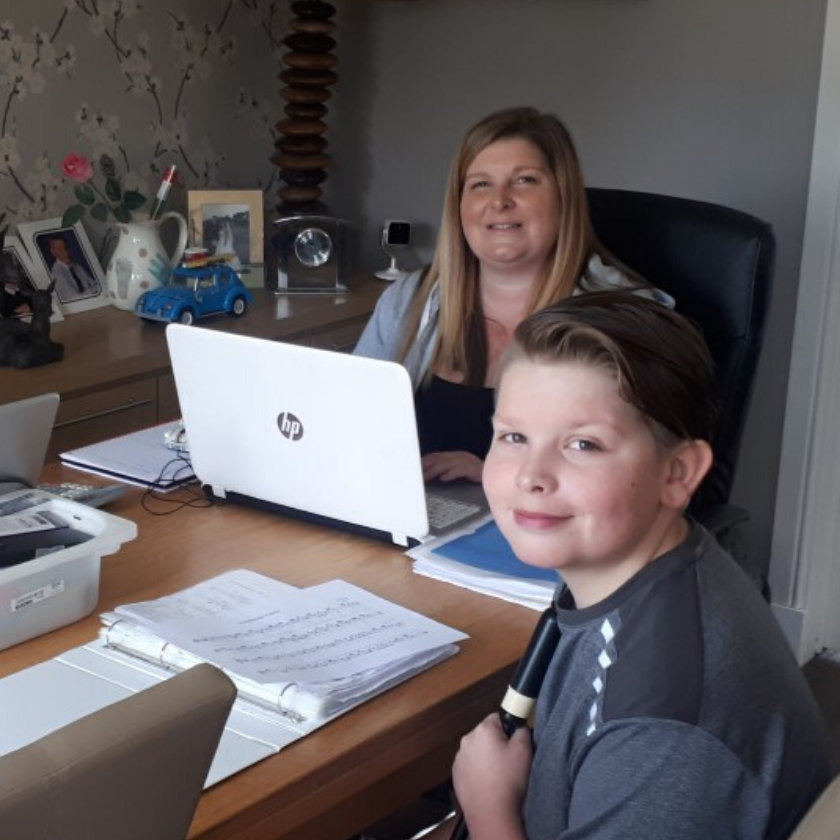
{"type": "Point", "coordinates": [99, 212]}
{"type": "Point", "coordinates": [133, 199]}
{"type": "Point", "coordinates": [85, 194]}
{"type": "Point", "coordinates": [121, 214]}
{"type": "Point", "coordinates": [72, 215]}
{"type": "Point", "coordinates": [113, 190]}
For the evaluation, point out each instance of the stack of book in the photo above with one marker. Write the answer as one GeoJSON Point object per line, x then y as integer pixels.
{"type": "Point", "coordinates": [478, 557]}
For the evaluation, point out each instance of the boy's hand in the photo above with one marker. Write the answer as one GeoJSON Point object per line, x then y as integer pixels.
{"type": "Point", "coordinates": [490, 775]}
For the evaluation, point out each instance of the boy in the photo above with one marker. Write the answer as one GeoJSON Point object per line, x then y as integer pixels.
{"type": "Point", "coordinates": [673, 707]}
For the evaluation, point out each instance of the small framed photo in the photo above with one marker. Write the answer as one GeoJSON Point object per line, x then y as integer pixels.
{"type": "Point", "coordinates": [20, 276]}
{"type": "Point", "coordinates": [229, 222]}
{"type": "Point", "coordinates": [67, 256]}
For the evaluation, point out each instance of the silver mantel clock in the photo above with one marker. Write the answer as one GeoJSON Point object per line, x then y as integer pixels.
{"type": "Point", "coordinates": [311, 254]}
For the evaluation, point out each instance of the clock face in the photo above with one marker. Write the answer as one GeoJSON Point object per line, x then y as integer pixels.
{"type": "Point", "coordinates": [313, 247]}
{"type": "Point", "coordinates": [310, 253]}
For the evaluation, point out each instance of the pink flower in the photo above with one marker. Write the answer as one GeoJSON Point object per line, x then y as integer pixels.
{"type": "Point", "coordinates": [77, 168]}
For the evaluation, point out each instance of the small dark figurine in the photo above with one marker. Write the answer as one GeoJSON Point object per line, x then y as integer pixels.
{"type": "Point", "coordinates": [23, 344]}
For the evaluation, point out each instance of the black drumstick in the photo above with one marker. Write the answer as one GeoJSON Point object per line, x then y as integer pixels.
{"type": "Point", "coordinates": [522, 692]}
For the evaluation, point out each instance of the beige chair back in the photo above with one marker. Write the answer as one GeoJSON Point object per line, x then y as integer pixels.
{"type": "Point", "coordinates": [822, 822]}
{"type": "Point", "coordinates": [131, 771]}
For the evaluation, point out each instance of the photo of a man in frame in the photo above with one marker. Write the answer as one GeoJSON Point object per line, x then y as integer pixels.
{"type": "Point", "coordinates": [68, 265]}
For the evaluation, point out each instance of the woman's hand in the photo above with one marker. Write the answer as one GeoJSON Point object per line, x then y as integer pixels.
{"type": "Point", "coordinates": [449, 466]}
{"type": "Point", "coordinates": [490, 775]}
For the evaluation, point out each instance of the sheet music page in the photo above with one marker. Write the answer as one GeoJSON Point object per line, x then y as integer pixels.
{"type": "Point", "coordinates": [326, 632]}
{"type": "Point", "coordinates": [234, 590]}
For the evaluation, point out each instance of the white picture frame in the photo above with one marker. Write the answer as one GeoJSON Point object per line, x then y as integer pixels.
{"type": "Point", "coordinates": [66, 254]}
{"type": "Point", "coordinates": [33, 272]}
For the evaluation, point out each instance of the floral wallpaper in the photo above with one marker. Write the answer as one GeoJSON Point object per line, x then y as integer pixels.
{"type": "Point", "coordinates": [149, 84]}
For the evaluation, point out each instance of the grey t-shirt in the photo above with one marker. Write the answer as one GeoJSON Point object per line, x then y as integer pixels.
{"type": "Point", "coordinates": [674, 710]}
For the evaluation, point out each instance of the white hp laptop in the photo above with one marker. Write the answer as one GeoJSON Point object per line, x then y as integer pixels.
{"type": "Point", "coordinates": [314, 431]}
{"type": "Point", "coordinates": [25, 429]}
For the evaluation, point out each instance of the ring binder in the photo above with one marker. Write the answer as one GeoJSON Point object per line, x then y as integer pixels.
{"type": "Point", "coordinates": [128, 655]}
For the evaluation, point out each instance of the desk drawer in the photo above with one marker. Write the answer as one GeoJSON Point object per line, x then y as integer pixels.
{"type": "Point", "coordinates": [104, 414]}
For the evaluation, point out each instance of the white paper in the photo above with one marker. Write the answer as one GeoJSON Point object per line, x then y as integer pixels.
{"type": "Point", "coordinates": [235, 590]}
{"type": "Point", "coordinates": [533, 593]}
{"type": "Point", "coordinates": [136, 458]}
{"type": "Point", "coordinates": [327, 632]}
{"type": "Point", "coordinates": [26, 523]}
{"type": "Point", "coordinates": [532, 596]}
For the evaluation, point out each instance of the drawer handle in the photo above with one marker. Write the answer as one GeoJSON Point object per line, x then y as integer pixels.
{"type": "Point", "coordinates": [105, 413]}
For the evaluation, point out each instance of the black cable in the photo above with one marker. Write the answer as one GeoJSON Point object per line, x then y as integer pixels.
{"type": "Point", "coordinates": [196, 498]}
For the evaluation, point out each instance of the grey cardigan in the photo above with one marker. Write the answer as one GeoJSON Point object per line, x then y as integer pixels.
{"type": "Point", "coordinates": [383, 332]}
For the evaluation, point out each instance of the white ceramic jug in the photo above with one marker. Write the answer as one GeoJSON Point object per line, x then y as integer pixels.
{"type": "Point", "coordinates": [139, 261]}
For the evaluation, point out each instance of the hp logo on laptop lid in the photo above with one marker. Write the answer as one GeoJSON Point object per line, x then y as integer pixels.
{"type": "Point", "coordinates": [289, 425]}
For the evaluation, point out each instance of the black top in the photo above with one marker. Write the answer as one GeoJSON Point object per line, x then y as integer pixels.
{"type": "Point", "coordinates": [454, 417]}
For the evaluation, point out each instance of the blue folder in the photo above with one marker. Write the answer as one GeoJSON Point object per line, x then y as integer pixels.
{"type": "Point", "coordinates": [487, 549]}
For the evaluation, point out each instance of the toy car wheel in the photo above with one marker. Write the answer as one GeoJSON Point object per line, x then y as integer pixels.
{"type": "Point", "coordinates": [239, 306]}
{"type": "Point", "coordinates": [187, 316]}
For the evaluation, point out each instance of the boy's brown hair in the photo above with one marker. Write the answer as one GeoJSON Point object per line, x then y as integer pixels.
{"type": "Point", "coordinates": [658, 358]}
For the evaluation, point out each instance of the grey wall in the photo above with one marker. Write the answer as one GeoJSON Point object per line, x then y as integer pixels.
{"type": "Point", "coordinates": [709, 99]}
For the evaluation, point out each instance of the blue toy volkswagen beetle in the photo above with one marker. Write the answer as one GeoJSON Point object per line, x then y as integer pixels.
{"type": "Point", "coordinates": [195, 293]}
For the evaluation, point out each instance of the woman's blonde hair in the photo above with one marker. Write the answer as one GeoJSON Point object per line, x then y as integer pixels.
{"type": "Point", "coordinates": [461, 342]}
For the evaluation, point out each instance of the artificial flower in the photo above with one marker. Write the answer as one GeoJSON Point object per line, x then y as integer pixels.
{"type": "Point", "coordinates": [77, 168]}
{"type": "Point", "coordinates": [113, 200]}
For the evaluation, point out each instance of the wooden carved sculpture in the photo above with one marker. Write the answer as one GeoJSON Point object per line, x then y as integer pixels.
{"type": "Point", "coordinates": [22, 344]}
{"type": "Point", "coordinates": [301, 149]}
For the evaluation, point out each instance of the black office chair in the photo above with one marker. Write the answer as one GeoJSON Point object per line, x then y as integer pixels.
{"type": "Point", "coordinates": [718, 265]}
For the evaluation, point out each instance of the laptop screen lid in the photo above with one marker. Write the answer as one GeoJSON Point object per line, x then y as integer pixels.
{"type": "Point", "coordinates": [25, 429]}
{"type": "Point", "coordinates": [318, 431]}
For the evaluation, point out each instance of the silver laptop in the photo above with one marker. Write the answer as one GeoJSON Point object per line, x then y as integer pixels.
{"type": "Point", "coordinates": [25, 429]}
{"type": "Point", "coordinates": [314, 431]}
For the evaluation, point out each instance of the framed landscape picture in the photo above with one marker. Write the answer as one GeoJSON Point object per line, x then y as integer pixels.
{"type": "Point", "coordinates": [67, 256]}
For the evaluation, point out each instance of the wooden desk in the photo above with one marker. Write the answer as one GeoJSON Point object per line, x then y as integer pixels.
{"type": "Point", "coordinates": [116, 377]}
{"type": "Point", "coordinates": [359, 768]}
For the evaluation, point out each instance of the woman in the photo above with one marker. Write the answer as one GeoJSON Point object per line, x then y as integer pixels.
{"type": "Point", "coordinates": [515, 236]}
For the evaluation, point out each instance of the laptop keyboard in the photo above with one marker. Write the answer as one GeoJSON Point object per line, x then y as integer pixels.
{"type": "Point", "coordinates": [444, 511]}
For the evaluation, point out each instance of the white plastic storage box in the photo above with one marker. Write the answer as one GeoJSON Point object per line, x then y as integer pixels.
{"type": "Point", "coordinates": [58, 585]}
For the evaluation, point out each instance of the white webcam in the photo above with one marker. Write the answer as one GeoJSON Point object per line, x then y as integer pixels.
{"type": "Point", "coordinates": [396, 235]}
